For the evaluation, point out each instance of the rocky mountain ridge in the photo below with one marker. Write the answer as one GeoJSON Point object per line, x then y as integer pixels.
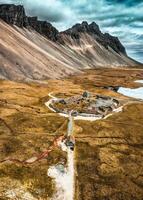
{"type": "Point", "coordinates": [31, 49]}
{"type": "Point", "coordinates": [105, 39]}
{"type": "Point", "coordinates": [15, 15]}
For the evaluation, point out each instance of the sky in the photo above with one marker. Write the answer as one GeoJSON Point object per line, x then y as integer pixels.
{"type": "Point", "coordinates": [121, 18]}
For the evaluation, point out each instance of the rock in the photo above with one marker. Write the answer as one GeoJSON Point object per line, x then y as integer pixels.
{"type": "Point", "coordinates": [74, 113]}
{"type": "Point", "coordinates": [32, 22]}
{"type": "Point", "coordinates": [75, 31]}
{"type": "Point", "coordinates": [62, 101]}
{"type": "Point", "coordinates": [103, 97]}
{"type": "Point", "coordinates": [93, 29]}
{"type": "Point", "coordinates": [113, 88]}
{"type": "Point", "coordinates": [13, 14]}
{"type": "Point", "coordinates": [44, 28]}
{"type": "Point", "coordinates": [70, 143]}
{"type": "Point", "coordinates": [116, 102]}
{"type": "Point", "coordinates": [83, 46]}
{"type": "Point", "coordinates": [114, 43]}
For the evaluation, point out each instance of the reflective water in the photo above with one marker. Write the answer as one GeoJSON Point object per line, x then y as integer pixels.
{"type": "Point", "coordinates": [135, 93]}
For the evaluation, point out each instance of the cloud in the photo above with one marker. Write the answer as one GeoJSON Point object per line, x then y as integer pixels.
{"type": "Point", "coordinates": [122, 18]}
{"type": "Point", "coordinates": [50, 10]}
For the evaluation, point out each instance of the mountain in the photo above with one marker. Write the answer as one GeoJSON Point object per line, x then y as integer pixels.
{"type": "Point", "coordinates": [93, 30]}
{"type": "Point", "coordinates": [15, 15]}
{"type": "Point", "coordinates": [31, 49]}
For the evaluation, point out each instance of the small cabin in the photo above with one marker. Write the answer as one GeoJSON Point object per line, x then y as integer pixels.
{"type": "Point", "coordinates": [86, 94]}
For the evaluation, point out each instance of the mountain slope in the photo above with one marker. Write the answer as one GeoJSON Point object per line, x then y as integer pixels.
{"type": "Point", "coordinates": [34, 50]}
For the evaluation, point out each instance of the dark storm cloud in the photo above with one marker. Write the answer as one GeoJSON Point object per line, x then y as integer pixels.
{"type": "Point", "coordinates": [122, 18]}
{"type": "Point", "coordinates": [126, 2]}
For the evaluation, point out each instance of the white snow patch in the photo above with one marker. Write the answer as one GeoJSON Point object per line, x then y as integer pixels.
{"type": "Point", "coordinates": [139, 81]}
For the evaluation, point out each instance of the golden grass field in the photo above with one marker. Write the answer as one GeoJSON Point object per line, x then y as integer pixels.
{"type": "Point", "coordinates": [109, 152]}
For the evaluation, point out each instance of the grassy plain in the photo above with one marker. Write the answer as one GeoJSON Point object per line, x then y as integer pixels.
{"type": "Point", "coordinates": [109, 152]}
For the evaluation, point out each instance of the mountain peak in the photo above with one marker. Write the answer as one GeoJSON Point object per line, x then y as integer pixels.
{"type": "Point", "coordinates": [26, 54]}
{"type": "Point", "coordinates": [83, 27]}
{"type": "Point", "coordinates": [105, 39]}
{"type": "Point", "coordinates": [84, 23]}
{"type": "Point", "coordinates": [13, 14]}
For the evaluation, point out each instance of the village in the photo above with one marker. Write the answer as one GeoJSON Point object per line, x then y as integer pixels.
{"type": "Point", "coordinates": [86, 104]}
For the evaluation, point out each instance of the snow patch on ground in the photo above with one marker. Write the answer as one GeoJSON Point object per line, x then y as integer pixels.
{"type": "Point", "coordinates": [139, 81]}
{"type": "Point", "coordinates": [135, 93]}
